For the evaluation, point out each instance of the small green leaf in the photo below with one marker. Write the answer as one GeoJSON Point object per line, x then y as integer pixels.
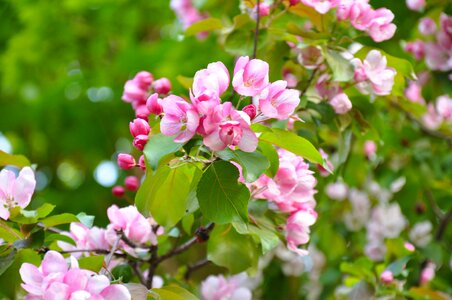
{"type": "Point", "coordinates": [92, 263]}
{"type": "Point", "coordinates": [123, 271]}
{"type": "Point", "coordinates": [55, 220]}
{"type": "Point", "coordinates": [9, 234]}
{"type": "Point", "coordinates": [293, 143]}
{"type": "Point", "coordinates": [13, 160]}
{"type": "Point", "coordinates": [253, 164]}
{"type": "Point", "coordinates": [7, 259]}
{"type": "Point", "coordinates": [44, 210]}
{"type": "Point", "coordinates": [222, 199]}
{"type": "Point", "coordinates": [399, 265]}
{"type": "Point", "coordinates": [229, 249]}
{"type": "Point", "coordinates": [165, 194]}
{"type": "Point", "coordinates": [59, 237]}
{"type": "Point", "coordinates": [267, 238]}
{"type": "Point", "coordinates": [85, 219]}
{"type": "Point", "coordinates": [157, 147]}
{"type": "Point", "coordinates": [342, 68]}
{"type": "Point", "coordinates": [270, 152]}
{"type": "Point", "coordinates": [173, 292]}
{"type": "Point", "coordinates": [209, 24]}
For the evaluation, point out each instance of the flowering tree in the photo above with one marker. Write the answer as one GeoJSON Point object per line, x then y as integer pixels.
{"type": "Point", "coordinates": [316, 161]}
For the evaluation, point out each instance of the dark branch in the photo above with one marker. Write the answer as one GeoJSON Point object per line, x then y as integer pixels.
{"type": "Point", "coordinates": [443, 225]}
{"type": "Point", "coordinates": [193, 267]}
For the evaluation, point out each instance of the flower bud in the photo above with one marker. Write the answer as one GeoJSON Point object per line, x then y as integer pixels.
{"type": "Point", "coordinates": [162, 86]}
{"type": "Point", "coordinates": [139, 127]}
{"type": "Point", "coordinates": [126, 161]}
{"type": "Point", "coordinates": [387, 277]}
{"type": "Point", "coordinates": [142, 112]}
{"type": "Point", "coordinates": [140, 141]}
{"type": "Point", "coordinates": [142, 163]}
{"type": "Point", "coordinates": [132, 183]}
{"type": "Point", "coordinates": [143, 79]}
{"type": "Point", "coordinates": [250, 110]}
{"type": "Point", "coordinates": [154, 104]}
{"type": "Point", "coordinates": [118, 191]}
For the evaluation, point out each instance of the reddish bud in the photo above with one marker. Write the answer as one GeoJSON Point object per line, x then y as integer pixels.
{"type": "Point", "coordinates": [162, 86]}
{"type": "Point", "coordinates": [142, 112]}
{"type": "Point", "coordinates": [143, 79]}
{"type": "Point", "coordinates": [118, 191]}
{"type": "Point", "coordinates": [132, 183]}
{"type": "Point", "coordinates": [142, 163]}
{"type": "Point", "coordinates": [126, 161]}
{"type": "Point", "coordinates": [139, 127]}
{"type": "Point", "coordinates": [140, 141]}
{"type": "Point", "coordinates": [250, 110]}
{"type": "Point", "coordinates": [387, 277]}
{"type": "Point", "coordinates": [154, 105]}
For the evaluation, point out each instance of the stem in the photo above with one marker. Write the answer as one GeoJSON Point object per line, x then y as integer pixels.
{"type": "Point", "coordinates": [443, 225]}
{"type": "Point", "coordinates": [112, 252]}
{"type": "Point", "coordinates": [51, 229]}
{"type": "Point", "coordinates": [137, 272]}
{"type": "Point", "coordinates": [193, 267]}
{"type": "Point", "coordinates": [256, 32]}
{"type": "Point", "coordinates": [433, 204]}
{"type": "Point", "coordinates": [152, 266]}
{"type": "Point", "coordinates": [308, 84]}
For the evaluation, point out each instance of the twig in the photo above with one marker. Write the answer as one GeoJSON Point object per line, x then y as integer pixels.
{"type": "Point", "coordinates": [256, 32]}
{"type": "Point", "coordinates": [433, 204]}
{"type": "Point", "coordinates": [308, 84]}
{"type": "Point", "coordinates": [112, 252]}
{"type": "Point", "coordinates": [137, 272]}
{"type": "Point", "coordinates": [152, 266]}
{"type": "Point", "coordinates": [51, 229]}
{"type": "Point", "coordinates": [443, 225]}
{"type": "Point", "coordinates": [193, 267]}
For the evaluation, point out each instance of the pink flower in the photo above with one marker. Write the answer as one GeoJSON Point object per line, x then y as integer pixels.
{"type": "Point", "coordinates": [321, 6]}
{"type": "Point", "coordinates": [162, 86]}
{"type": "Point", "coordinates": [154, 104]}
{"type": "Point", "coordinates": [132, 183]}
{"type": "Point", "coordinates": [180, 118]}
{"type": "Point", "coordinates": [140, 141]}
{"type": "Point", "coordinates": [370, 148]}
{"type": "Point", "coordinates": [142, 163]}
{"type": "Point", "coordinates": [444, 107]}
{"type": "Point", "coordinates": [275, 101]}
{"type": "Point", "coordinates": [341, 103]}
{"type": "Point", "coordinates": [428, 273]}
{"type": "Point", "coordinates": [227, 127]}
{"type": "Point", "coordinates": [297, 229]}
{"type": "Point", "coordinates": [417, 5]}
{"type": "Point", "coordinates": [427, 26]}
{"type": "Point", "coordinates": [414, 92]}
{"type": "Point", "coordinates": [85, 239]}
{"type": "Point", "coordinates": [135, 90]}
{"type": "Point", "coordinates": [380, 27]}
{"type": "Point", "coordinates": [431, 119]}
{"type": "Point", "coordinates": [310, 57]}
{"type": "Point", "coordinates": [139, 127]}
{"type": "Point", "coordinates": [326, 88]}
{"type": "Point", "coordinates": [186, 12]}
{"type": "Point", "coordinates": [387, 277]}
{"type": "Point", "coordinates": [374, 69]}
{"type": "Point", "coordinates": [291, 79]}
{"type": "Point", "coordinates": [221, 288]}
{"type": "Point", "coordinates": [337, 191]}
{"type": "Point", "coordinates": [126, 161]}
{"type": "Point", "coordinates": [437, 57]}
{"type": "Point", "coordinates": [250, 76]}
{"type": "Point", "coordinates": [15, 191]}
{"type": "Point", "coordinates": [416, 48]}
{"type": "Point", "coordinates": [133, 224]}
{"type": "Point", "coordinates": [208, 85]}
{"type": "Point", "coordinates": [250, 110]}
{"type": "Point", "coordinates": [118, 191]}
{"type": "Point", "coordinates": [54, 280]}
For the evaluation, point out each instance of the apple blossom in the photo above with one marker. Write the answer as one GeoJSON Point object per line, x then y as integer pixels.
{"type": "Point", "coordinates": [126, 161]}
{"type": "Point", "coordinates": [275, 101]}
{"type": "Point", "coordinates": [337, 191]}
{"type": "Point", "coordinates": [154, 104]}
{"type": "Point", "coordinates": [341, 103]}
{"type": "Point", "coordinates": [416, 48]}
{"type": "Point", "coordinates": [444, 107]}
{"type": "Point", "coordinates": [387, 277]}
{"type": "Point", "coordinates": [250, 76]}
{"type": "Point", "coordinates": [417, 5]}
{"type": "Point", "coordinates": [221, 288]}
{"type": "Point", "coordinates": [15, 191]}
{"type": "Point", "coordinates": [186, 13]}
{"type": "Point", "coordinates": [132, 183]}
{"type": "Point", "coordinates": [142, 163]}
{"type": "Point", "coordinates": [297, 229]}
{"type": "Point", "coordinates": [162, 86]}
{"type": "Point", "coordinates": [135, 90]}
{"type": "Point", "coordinates": [85, 239]}
{"type": "Point", "coordinates": [310, 57]}
{"type": "Point", "coordinates": [118, 191]}
{"type": "Point", "coordinates": [421, 233]}
{"type": "Point", "coordinates": [428, 273]}
{"type": "Point", "coordinates": [427, 26]}
{"type": "Point", "coordinates": [414, 92]}
{"type": "Point", "coordinates": [139, 127]}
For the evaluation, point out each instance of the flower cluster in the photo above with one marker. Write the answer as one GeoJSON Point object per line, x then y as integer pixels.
{"type": "Point", "coordinates": [376, 22]}
{"type": "Point", "coordinates": [436, 44]}
{"type": "Point", "coordinates": [54, 279]}
{"type": "Point", "coordinates": [15, 191]}
{"type": "Point", "coordinates": [291, 191]}
{"type": "Point", "coordinates": [438, 113]}
{"type": "Point", "coordinates": [221, 288]}
{"type": "Point", "coordinates": [138, 232]}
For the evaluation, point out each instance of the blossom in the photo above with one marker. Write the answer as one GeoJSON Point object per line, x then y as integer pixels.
{"type": "Point", "coordinates": [226, 126]}
{"type": "Point", "coordinates": [15, 191]}
{"type": "Point", "coordinates": [444, 107]}
{"type": "Point", "coordinates": [431, 119]}
{"type": "Point", "coordinates": [359, 214]}
{"type": "Point", "coordinates": [162, 86]}
{"type": "Point", "coordinates": [126, 161]}
{"type": "Point", "coordinates": [297, 229]}
{"type": "Point", "coordinates": [85, 239]}
{"type": "Point", "coordinates": [337, 191]}
{"type": "Point", "coordinates": [135, 90]}
{"type": "Point", "coordinates": [416, 48]}
{"type": "Point", "coordinates": [375, 71]}
{"type": "Point", "coordinates": [414, 92]}
{"type": "Point", "coordinates": [370, 149]}
{"type": "Point", "coordinates": [310, 57]}
{"type": "Point", "coordinates": [132, 183]}
{"type": "Point", "coordinates": [428, 273]}
{"type": "Point", "coordinates": [221, 288]}
{"type": "Point", "coordinates": [186, 12]}
{"type": "Point", "coordinates": [250, 76]}
{"type": "Point", "coordinates": [55, 280]}
{"type": "Point", "coordinates": [387, 277]}
{"type": "Point", "coordinates": [427, 26]}
{"type": "Point", "coordinates": [417, 5]}
{"type": "Point", "coordinates": [154, 104]}
{"type": "Point", "coordinates": [133, 224]}
{"type": "Point", "coordinates": [321, 6]}
{"type": "Point", "coordinates": [275, 101]}
{"type": "Point", "coordinates": [341, 103]}
{"type": "Point", "coordinates": [421, 233]}
{"type": "Point", "coordinates": [180, 118]}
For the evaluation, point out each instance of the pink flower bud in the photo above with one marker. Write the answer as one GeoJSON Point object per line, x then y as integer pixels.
{"type": "Point", "coordinates": [140, 141]}
{"type": "Point", "coordinates": [132, 183]}
{"type": "Point", "coordinates": [387, 277]}
{"type": "Point", "coordinates": [154, 104]}
{"type": "Point", "coordinates": [410, 247]}
{"type": "Point", "coordinates": [118, 191]}
{"type": "Point", "coordinates": [427, 26]}
{"type": "Point", "coordinates": [139, 127]}
{"type": "Point", "coordinates": [370, 148]}
{"type": "Point", "coordinates": [126, 161]}
{"type": "Point", "coordinates": [417, 5]}
{"type": "Point", "coordinates": [428, 273]}
{"type": "Point", "coordinates": [142, 112]}
{"type": "Point", "coordinates": [143, 79]}
{"type": "Point", "coordinates": [250, 110]}
{"type": "Point", "coordinates": [142, 163]}
{"type": "Point", "coordinates": [416, 48]}
{"type": "Point", "coordinates": [162, 86]}
{"type": "Point", "coordinates": [341, 103]}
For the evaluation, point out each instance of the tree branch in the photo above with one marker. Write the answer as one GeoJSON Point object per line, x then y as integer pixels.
{"type": "Point", "coordinates": [256, 32]}
{"type": "Point", "coordinates": [193, 267]}
{"type": "Point", "coordinates": [443, 225]}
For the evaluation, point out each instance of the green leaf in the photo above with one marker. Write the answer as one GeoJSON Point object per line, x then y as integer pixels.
{"type": "Point", "coordinates": [208, 24]}
{"type": "Point", "coordinates": [13, 160]}
{"type": "Point", "coordinates": [9, 234]}
{"type": "Point", "coordinates": [44, 210]}
{"type": "Point", "coordinates": [173, 292]}
{"type": "Point", "coordinates": [399, 265]}
{"type": "Point", "coordinates": [55, 220]}
{"type": "Point", "coordinates": [306, 11]}
{"type": "Point", "coordinates": [229, 249]}
{"type": "Point", "coordinates": [222, 199]}
{"type": "Point", "coordinates": [22, 216]}
{"type": "Point", "coordinates": [253, 164]}
{"type": "Point", "coordinates": [123, 271]}
{"type": "Point", "coordinates": [85, 219]}
{"type": "Point", "coordinates": [186, 82]}
{"type": "Point", "coordinates": [270, 152]}
{"type": "Point", "coordinates": [267, 238]}
{"type": "Point", "coordinates": [293, 143]}
{"type": "Point", "coordinates": [92, 263]}
{"type": "Point", "coordinates": [342, 68]}
{"type": "Point", "coordinates": [157, 147]}
{"type": "Point", "coordinates": [59, 237]}
{"type": "Point", "coordinates": [165, 194]}
{"type": "Point", "coordinates": [7, 259]}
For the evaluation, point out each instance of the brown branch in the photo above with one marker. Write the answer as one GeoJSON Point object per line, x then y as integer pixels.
{"type": "Point", "coordinates": [193, 267]}
{"type": "Point", "coordinates": [153, 263]}
{"type": "Point", "coordinates": [308, 84]}
{"type": "Point", "coordinates": [136, 270]}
